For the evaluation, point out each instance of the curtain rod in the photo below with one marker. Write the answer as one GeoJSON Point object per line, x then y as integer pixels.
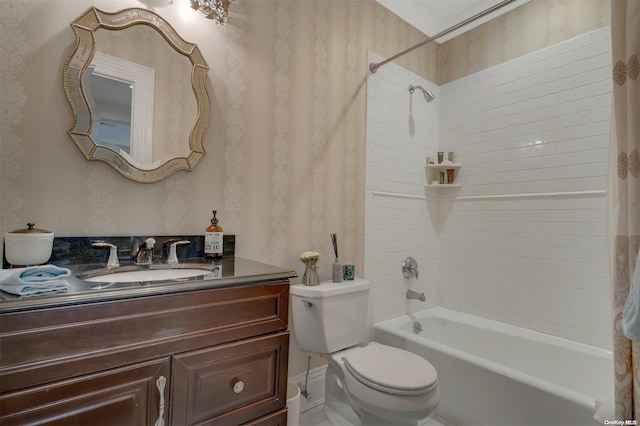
{"type": "Point", "coordinates": [373, 67]}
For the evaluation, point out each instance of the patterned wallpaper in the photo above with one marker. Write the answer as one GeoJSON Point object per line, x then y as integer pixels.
{"type": "Point", "coordinates": [530, 27]}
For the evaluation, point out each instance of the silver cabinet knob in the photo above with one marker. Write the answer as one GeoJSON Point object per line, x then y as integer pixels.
{"type": "Point", "coordinates": [238, 386]}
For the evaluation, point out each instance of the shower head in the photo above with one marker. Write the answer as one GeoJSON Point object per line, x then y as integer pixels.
{"type": "Point", "coordinates": [428, 95]}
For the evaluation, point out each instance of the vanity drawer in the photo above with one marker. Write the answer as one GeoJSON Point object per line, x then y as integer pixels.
{"type": "Point", "coordinates": [274, 419]}
{"type": "Point", "coordinates": [231, 384]}
{"type": "Point", "coordinates": [46, 345]}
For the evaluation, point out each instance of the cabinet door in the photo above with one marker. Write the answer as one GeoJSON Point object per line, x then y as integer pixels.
{"type": "Point", "coordinates": [231, 384]}
{"type": "Point", "coordinates": [123, 396]}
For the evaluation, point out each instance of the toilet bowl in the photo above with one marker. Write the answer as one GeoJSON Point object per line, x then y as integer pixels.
{"type": "Point", "coordinates": [370, 385]}
{"type": "Point", "coordinates": [383, 385]}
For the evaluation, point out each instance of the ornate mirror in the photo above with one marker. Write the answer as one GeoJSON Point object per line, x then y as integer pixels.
{"type": "Point", "coordinates": [130, 81]}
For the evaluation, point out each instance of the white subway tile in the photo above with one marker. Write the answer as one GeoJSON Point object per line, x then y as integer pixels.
{"type": "Point", "coordinates": [539, 123]}
{"type": "Point", "coordinates": [574, 333]}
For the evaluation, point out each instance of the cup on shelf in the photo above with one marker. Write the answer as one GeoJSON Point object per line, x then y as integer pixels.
{"type": "Point", "coordinates": [349, 272]}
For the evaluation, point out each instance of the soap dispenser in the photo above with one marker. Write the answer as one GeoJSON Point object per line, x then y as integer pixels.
{"type": "Point", "coordinates": [213, 237]}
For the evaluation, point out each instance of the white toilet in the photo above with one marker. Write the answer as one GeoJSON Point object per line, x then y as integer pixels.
{"type": "Point", "coordinates": [364, 385]}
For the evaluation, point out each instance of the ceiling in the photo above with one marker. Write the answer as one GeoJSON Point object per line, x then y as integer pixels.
{"type": "Point", "coordinates": [434, 16]}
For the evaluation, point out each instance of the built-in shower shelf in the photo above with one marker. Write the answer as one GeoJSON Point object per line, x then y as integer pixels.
{"type": "Point", "coordinates": [433, 170]}
{"type": "Point", "coordinates": [444, 185]}
{"type": "Point", "coordinates": [440, 167]}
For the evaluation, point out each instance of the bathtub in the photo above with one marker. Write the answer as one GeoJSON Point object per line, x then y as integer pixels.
{"type": "Point", "coordinates": [490, 373]}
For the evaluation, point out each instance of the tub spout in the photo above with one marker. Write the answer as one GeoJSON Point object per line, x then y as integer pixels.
{"type": "Point", "coordinates": [415, 295]}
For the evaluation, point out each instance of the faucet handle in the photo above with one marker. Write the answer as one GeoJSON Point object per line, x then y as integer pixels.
{"type": "Point", "coordinates": [165, 247]}
{"type": "Point", "coordinates": [113, 261]}
{"type": "Point", "coordinates": [173, 256]}
{"type": "Point", "coordinates": [410, 268]}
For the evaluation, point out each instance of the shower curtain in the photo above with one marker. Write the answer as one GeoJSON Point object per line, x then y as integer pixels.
{"type": "Point", "coordinates": [624, 196]}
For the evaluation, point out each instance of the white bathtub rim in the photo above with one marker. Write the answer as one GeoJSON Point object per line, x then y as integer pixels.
{"type": "Point", "coordinates": [473, 320]}
{"type": "Point", "coordinates": [392, 326]}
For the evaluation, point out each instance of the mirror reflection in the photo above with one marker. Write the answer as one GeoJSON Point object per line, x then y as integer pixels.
{"type": "Point", "coordinates": [111, 101]}
{"type": "Point", "coordinates": [111, 98]}
{"type": "Point", "coordinates": [140, 104]}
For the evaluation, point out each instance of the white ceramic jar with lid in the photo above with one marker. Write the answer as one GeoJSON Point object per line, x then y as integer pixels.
{"type": "Point", "coordinates": [28, 246]}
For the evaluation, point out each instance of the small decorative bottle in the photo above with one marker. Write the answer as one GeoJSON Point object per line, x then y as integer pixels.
{"type": "Point", "coordinates": [336, 271]}
{"type": "Point", "coordinates": [336, 267]}
{"type": "Point", "coordinates": [213, 239]}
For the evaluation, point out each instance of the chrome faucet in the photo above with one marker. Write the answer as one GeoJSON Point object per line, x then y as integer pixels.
{"type": "Point", "coordinates": [113, 261]}
{"type": "Point", "coordinates": [415, 295]}
{"type": "Point", "coordinates": [144, 255]}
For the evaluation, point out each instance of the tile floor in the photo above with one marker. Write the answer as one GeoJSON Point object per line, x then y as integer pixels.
{"type": "Point", "coordinates": [315, 417]}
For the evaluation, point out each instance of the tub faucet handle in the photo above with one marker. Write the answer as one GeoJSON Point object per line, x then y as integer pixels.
{"type": "Point", "coordinates": [410, 268]}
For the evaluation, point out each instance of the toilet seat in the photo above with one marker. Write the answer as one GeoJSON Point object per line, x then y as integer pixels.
{"type": "Point", "coordinates": [391, 370]}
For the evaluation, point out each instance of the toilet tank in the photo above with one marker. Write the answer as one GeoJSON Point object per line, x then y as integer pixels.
{"type": "Point", "coordinates": [330, 316]}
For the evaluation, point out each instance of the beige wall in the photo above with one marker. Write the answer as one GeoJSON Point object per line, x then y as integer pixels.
{"type": "Point", "coordinates": [530, 27]}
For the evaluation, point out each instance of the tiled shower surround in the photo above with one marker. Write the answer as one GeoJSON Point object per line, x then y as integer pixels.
{"type": "Point", "coordinates": [523, 240]}
{"type": "Point", "coordinates": [402, 129]}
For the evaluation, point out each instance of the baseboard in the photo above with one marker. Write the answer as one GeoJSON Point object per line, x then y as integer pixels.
{"type": "Point", "coordinates": [315, 387]}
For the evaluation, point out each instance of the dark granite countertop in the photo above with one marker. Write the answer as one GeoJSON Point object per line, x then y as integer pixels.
{"type": "Point", "coordinates": [235, 271]}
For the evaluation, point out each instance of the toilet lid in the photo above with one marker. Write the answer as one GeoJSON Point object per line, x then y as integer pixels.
{"type": "Point", "coordinates": [391, 370]}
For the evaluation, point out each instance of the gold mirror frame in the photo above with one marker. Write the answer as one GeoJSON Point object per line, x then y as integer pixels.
{"type": "Point", "coordinates": [77, 63]}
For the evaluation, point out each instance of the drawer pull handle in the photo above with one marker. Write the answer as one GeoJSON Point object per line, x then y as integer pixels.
{"type": "Point", "coordinates": [160, 383]}
{"type": "Point", "coordinates": [238, 386]}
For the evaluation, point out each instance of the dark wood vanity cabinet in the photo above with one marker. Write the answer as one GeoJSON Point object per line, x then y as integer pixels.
{"type": "Point", "coordinates": [214, 357]}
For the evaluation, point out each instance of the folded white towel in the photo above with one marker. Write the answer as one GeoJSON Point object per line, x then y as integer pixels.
{"type": "Point", "coordinates": [631, 312]}
{"type": "Point", "coordinates": [34, 280]}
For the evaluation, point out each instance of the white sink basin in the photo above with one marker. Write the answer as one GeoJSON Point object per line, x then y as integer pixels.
{"type": "Point", "coordinates": [147, 275]}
